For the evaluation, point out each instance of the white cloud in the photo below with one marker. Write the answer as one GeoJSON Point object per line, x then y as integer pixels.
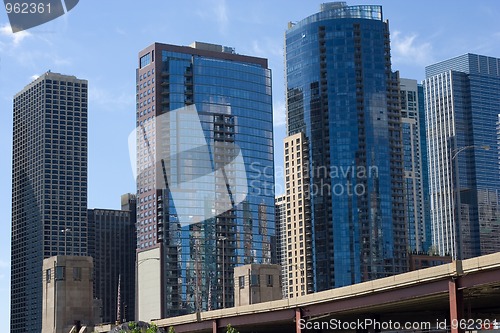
{"type": "Point", "coordinates": [16, 38]}
{"type": "Point", "coordinates": [34, 77]}
{"type": "Point", "coordinates": [217, 12]}
{"type": "Point", "coordinates": [109, 100]}
{"type": "Point", "coordinates": [220, 11]}
{"type": "Point", "coordinates": [268, 48]}
{"type": "Point", "coordinates": [120, 31]}
{"type": "Point", "coordinates": [33, 58]}
{"type": "Point", "coordinates": [409, 49]}
{"type": "Point", "coordinates": [279, 114]}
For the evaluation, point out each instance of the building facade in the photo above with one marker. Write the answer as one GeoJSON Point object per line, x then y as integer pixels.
{"type": "Point", "coordinates": [112, 245]}
{"type": "Point", "coordinates": [344, 97]}
{"type": "Point", "coordinates": [68, 303]}
{"type": "Point", "coordinates": [415, 166]}
{"type": "Point", "coordinates": [205, 175]}
{"type": "Point", "coordinates": [257, 283]}
{"type": "Point", "coordinates": [280, 220]}
{"type": "Point", "coordinates": [297, 240]}
{"type": "Point", "coordinates": [498, 141]}
{"type": "Point", "coordinates": [49, 187]}
{"type": "Point", "coordinates": [461, 108]}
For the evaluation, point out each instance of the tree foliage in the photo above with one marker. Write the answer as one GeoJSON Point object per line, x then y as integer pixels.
{"type": "Point", "coordinates": [231, 329]}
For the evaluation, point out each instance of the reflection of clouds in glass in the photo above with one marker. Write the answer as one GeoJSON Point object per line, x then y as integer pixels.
{"type": "Point", "coordinates": [204, 181]}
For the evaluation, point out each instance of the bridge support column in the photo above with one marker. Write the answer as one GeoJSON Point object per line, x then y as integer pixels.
{"type": "Point", "coordinates": [456, 306]}
{"type": "Point", "coordinates": [298, 317]}
{"type": "Point", "coordinates": [214, 326]}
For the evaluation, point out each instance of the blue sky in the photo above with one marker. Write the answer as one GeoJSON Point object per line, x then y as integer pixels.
{"type": "Point", "coordinates": [99, 41]}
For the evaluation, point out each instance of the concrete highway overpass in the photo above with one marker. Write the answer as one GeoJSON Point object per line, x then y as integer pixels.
{"type": "Point", "coordinates": [464, 294]}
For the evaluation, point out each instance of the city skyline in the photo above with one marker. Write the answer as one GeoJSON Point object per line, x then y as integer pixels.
{"type": "Point", "coordinates": [65, 46]}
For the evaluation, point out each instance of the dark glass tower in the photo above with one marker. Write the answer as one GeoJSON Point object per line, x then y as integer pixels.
{"type": "Point", "coordinates": [49, 187]}
{"type": "Point", "coordinates": [461, 106]}
{"type": "Point", "coordinates": [112, 242]}
{"type": "Point", "coordinates": [343, 95]}
{"type": "Point", "coordinates": [200, 109]}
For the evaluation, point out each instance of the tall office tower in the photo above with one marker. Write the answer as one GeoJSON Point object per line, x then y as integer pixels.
{"type": "Point", "coordinates": [344, 97]}
{"type": "Point", "coordinates": [298, 254]}
{"type": "Point", "coordinates": [462, 95]}
{"type": "Point", "coordinates": [280, 220]}
{"type": "Point", "coordinates": [112, 244]}
{"type": "Point", "coordinates": [415, 166]}
{"type": "Point", "coordinates": [204, 116]}
{"type": "Point", "coordinates": [49, 187]}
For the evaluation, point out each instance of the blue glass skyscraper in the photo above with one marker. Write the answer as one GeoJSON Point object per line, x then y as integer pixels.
{"type": "Point", "coordinates": [462, 96]}
{"type": "Point", "coordinates": [343, 95]}
{"type": "Point", "coordinates": [200, 110]}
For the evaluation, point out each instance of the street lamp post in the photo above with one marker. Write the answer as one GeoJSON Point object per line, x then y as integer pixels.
{"type": "Point", "coordinates": [223, 239]}
{"type": "Point", "coordinates": [65, 231]}
{"type": "Point", "coordinates": [457, 199]}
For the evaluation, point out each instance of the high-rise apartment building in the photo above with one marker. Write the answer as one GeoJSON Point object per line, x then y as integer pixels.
{"type": "Point", "coordinates": [49, 187]}
{"type": "Point", "coordinates": [343, 96]}
{"type": "Point", "coordinates": [280, 220]}
{"type": "Point", "coordinates": [112, 245]}
{"type": "Point", "coordinates": [204, 116]}
{"type": "Point", "coordinates": [462, 95]}
{"type": "Point", "coordinates": [415, 166]}
{"type": "Point", "coordinates": [298, 253]}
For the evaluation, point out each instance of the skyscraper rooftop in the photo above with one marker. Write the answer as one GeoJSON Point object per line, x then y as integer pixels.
{"type": "Point", "coordinates": [332, 10]}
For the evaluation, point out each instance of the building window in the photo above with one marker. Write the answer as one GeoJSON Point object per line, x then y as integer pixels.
{"type": "Point", "coordinates": [254, 280]}
{"type": "Point", "coordinates": [48, 275]}
{"type": "Point", "coordinates": [269, 280]}
{"type": "Point", "coordinates": [77, 273]}
{"type": "Point", "coordinates": [144, 61]}
{"type": "Point", "coordinates": [241, 280]}
{"type": "Point", "coordinates": [60, 272]}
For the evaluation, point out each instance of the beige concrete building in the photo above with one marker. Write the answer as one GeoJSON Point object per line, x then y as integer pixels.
{"type": "Point", "coordinates": [148, 300]}
{"type": "Point", "coordinates": [256, 283]}
{"type": "Point", "coordinates": [280, 214]}
{"type": "Point", "coordinates": [298, 254]}
{"type": "Point", "coordinates": [68, 304]}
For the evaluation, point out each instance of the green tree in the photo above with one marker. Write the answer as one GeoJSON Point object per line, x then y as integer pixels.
{"type": "Point", "coordinates": [231, 329]}
{"type": "Point", "coordinates": [134, 328]}
{"type": "Point", "coordinates": [152, 328]}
